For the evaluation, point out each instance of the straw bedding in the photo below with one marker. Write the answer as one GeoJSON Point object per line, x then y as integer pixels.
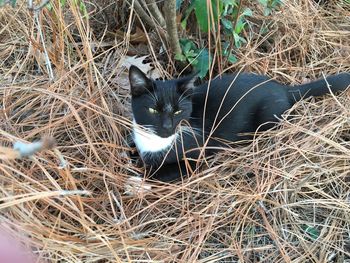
{"type": "Point", "coordinates": [283, 198]}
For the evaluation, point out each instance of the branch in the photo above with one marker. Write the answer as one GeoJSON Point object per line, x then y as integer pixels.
{"type": "Point", "coordinates": [170, 21]}
{"type": "Point", "coordinates": [46, 55]}
{"type": "Point", "coordinates": [154, 10]}
{"type": "Point", "coordinates": [143, 15]}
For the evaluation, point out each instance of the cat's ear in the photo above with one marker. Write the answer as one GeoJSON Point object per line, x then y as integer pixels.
{"type": "Point", "coordinates": [139, 83]}
{"type": "Point", "coordinates": [186, 85]}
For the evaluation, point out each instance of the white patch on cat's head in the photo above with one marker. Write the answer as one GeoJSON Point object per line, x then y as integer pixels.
{"type": "Point", "coordinates": [146, 141]}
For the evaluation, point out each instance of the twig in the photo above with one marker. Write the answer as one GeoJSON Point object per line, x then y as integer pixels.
{"type": "Point", "coordinates": [47, 59]}
{"type": "Point", "coordinates": [25, 198]}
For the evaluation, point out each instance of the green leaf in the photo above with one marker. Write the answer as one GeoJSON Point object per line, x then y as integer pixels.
{"type": "Point", "coordinates": [185, 41]}
{"type": "Point", "coordinates": [228, 5]}
{"type": "Point", "coordinates": [48, 6]}
{"type": "Point", "coordinates": [204, 62]}
{"type": "Point", "coordinates": [13, 3]}
{"type": "Point", "coordinates": [218, 8]}
{"type": "Point", "coordinates": [275, 3]}
{"type": "Point", "coordinates": [227, 52]}
{"type": "Point", "coordinates": [312, 232]}
{"type": "Point", "coordinates": [229, 2]}
{"type": "Point", "coordinates": [232, 59]}
{"type": "Point", "coordinates": [187, 14]}
{"type": "Point", "coordinates": [189, 49]}
{"type": "Point", "coordinates": [180, 57]}
{"type": "Point", "coordinates": [264, 29]}
{"type": "Point", "coordinates": [187, 45]}
{"type": "Point", "coordinates": [227, 24]}
{"type": "Point", "coordinates": [263, 2]}
{"type": "Point", "coordinates": [239, 26]}
{"type": "Point", "coordinates": [199, 58]}
{"type": "Point", "coordinates": [184, 24]}
{"type": "Point", "coordinates": [248, 12]}
{"type": "Point", "coordinates": [225, 47]}
{"type": "Point", "coordinates": [269, 5]}
{"type": "Point", "coordinates": [203, 15]}
{"type": "Point", "coordinates": [83, 9]}
{"type": "Point", "coordinates": [267, 11]}
{"type": "Point", "coordinates": [192, 54]}
{"type": "Point", "coordinates": [201, 12]}
{"type": "Point", "coordinates": [238, 40]}
{"type": "Point", "coordinates": [193, 62]}
{"type": "Point", "coordinates": [236, 37]}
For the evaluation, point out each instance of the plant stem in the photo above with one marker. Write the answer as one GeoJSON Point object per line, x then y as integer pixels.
{"type": "Point", "coordinates": [237, 16]}
{"type": "Point", "coordinates": [46, 55]}
{"type": "Point", "coordinates": [143, 15]}
{"type": "Point", "coordinates": [170, 22]}
{"type": "Point", "coordinates": [154, 10]}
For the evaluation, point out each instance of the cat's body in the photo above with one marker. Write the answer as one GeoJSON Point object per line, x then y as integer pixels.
{"type": "Point", "coordinates": [226, 109]}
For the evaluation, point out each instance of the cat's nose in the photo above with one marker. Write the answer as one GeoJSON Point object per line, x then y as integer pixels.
{"type": "Point", "coordinates": [167, 125]}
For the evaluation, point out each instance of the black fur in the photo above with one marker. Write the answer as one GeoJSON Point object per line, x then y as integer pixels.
{"type": "Point", "coordinates": [232, 105]}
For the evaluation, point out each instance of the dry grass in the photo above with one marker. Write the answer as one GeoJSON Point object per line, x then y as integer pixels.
{"type": "Point", "coordinates": [295, 208]}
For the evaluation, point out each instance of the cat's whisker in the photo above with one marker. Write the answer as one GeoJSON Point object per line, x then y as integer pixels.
{"type": "Point", "coordinates": [153, 97]}
{"type": "Point", "coordinates": [183, 97]}
{"type": "Point", "coordinates": [190, 131]}
{"type": "Point", "coordinates": [147, 126]}
{"type": "Point", "coordinates": [143, 129]}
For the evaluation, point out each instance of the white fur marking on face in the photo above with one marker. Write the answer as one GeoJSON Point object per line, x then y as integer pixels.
{"type": "Point", "coordinates": [147, 141]}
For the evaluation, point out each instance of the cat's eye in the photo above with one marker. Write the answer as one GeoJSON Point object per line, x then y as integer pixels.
{"type": "Point", "coordinates": [153, 111]}
{"type": "Point", "coordinates": [177, 112]}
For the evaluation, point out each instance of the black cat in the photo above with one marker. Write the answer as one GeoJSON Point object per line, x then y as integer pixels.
{"type": "Point", "coordinates": [174, 119]}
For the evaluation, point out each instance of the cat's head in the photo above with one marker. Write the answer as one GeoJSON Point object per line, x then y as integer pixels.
{"type": "Point", "coordinates": [160, 105]}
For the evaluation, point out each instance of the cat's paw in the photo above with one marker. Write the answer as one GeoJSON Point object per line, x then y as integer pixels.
{"type": "Point", "coordinates": [136, 186]}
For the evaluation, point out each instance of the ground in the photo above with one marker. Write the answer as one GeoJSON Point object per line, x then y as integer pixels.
{"type": "Point", "coordinates": [283, 198]}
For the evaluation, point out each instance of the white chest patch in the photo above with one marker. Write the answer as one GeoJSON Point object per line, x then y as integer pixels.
{"type": "Point", "coordinates": [146, 141]}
